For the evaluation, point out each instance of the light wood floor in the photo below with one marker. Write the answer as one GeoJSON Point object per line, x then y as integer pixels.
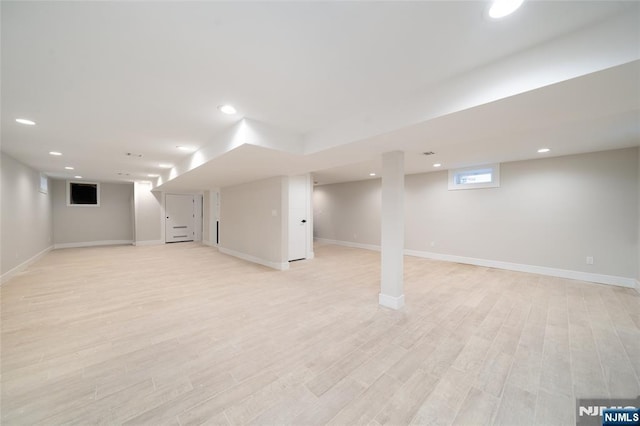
{"type": "Point", "coordinates": [181, 334]}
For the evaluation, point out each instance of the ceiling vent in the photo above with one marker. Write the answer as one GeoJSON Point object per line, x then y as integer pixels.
{"type": "Point", "coordinates": [428, 153]}
{"type": "Point", "coordinates": [131, 154]}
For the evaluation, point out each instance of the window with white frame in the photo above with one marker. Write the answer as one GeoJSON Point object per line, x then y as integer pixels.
{"type": "Point", "coordinates": [85, 194]}
{"type": "Point", "coordinates": [487, 176]}
{"type": "Point", "coordinates": [44, 183]}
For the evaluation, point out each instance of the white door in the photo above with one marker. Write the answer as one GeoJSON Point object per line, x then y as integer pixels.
{"type": "Point", "coordinates": [297, 234]}
{"type": "Point", "coordinates": [180, 218]}
{"type": "Point", "coordinates": [298, 228]}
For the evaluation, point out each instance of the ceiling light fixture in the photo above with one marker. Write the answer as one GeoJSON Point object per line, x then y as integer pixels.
{"type": "Point", "coordinates": [56, 153]}
{"type": "Point", "coordinates": [543, 150]}
{"type": "Point", "coordinates": [227, 109]}
{"type": "Point", "coordinates": [165, 166]}
{"type": "Point", "coordinates": [372, 174]}
{"type": "Point", "coordinates": [68, 168]}
{"type": "Point", "coordinates": [78, 177]}
{"type": "Point", "coordinates": [152, 175]}
{"type": "Point", "coordinates": [501, 8]}
{"type": "Point", "coordinates": [437, 165]}
{"type": "Point", "coordinates": [183, 148]}
{"type": "Point", "coordinates": [25, 121]}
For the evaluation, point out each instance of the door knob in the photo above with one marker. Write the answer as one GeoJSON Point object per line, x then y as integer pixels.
{"type": "Point", "coordinates": [304, 220]}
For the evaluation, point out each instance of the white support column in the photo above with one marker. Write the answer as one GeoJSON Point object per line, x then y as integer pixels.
{"type": "Point", "coordinates": [392, 219]}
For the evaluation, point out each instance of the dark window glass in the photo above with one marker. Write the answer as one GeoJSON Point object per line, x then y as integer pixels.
{"type": "Point", "coordinates": [83, 193]}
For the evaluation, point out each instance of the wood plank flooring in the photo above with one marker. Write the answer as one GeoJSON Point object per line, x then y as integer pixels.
{"type": "Point", "coordinates": [183, 335]}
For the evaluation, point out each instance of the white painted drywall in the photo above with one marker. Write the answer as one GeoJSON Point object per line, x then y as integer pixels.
{"type": "Point", "coordinates": [550, 212]}
{"type": "Point", "coordinates": [147, 213]}
{"type": "Point", "coordinates": [214, 215]}
{"type": "Point", "coordinates": [206, 217]}
{"type": "Point", "coordinates": [253, 221]}
{"type": "Point", "coordinates": [198, 210]}
{"type": "Point", "coordinates": [348, 211]}
{"type": "Point", "coordinates": [638, 241]}
{"type": "Point", "coordinates": [111, 222]}
{"type": "Point", "coordinates": [209, 216]}
{"type": "Point", "coordinates": [26, 220]}
{"type": "Point", "coordinates": [310, 252]}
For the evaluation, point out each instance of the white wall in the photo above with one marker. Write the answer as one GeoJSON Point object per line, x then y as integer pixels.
{"type": "Point", "coordinates": [26, 221]}
{"type": "Point", "coordinates": [110, 223]}
{"type": "Point", "coordinates": [198, 226]}
{"type": "Point", "coordinates": [210, 213]}
{"type": "Point", "coordinates": [148, 214]}
{"type": "Point", "coordinates": [551, 213]}
{"type": "Point", "coordinates": [348, 212]}
{"type": "Point", "coordinates": [638, 241]}
{"type": "Point", "coordinates": [206, 218]}
{"type": "Point", "coordinates": [253, 221]}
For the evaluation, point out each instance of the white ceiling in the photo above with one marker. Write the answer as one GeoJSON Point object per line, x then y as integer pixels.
{"type": "Point", "coordinates": [341, 82]}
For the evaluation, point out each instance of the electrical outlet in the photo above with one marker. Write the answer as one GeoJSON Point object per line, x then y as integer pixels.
{"type": "Point", "coordinates": [589, 260]}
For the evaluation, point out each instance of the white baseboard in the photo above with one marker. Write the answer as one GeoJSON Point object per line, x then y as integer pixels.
{"type": "Point", "coordinates": [541, 270]}
{"type": "Point", "coordinates": [148, 243]}
{"type": "Point", "coordinates": [209, 243]}
{"type": "Point", "coordinates": [275, 265]}
{"type": "Point", "coordinates": [391, 301]}
{"type": "Point", "coordinates": [638, 286]}
{"type": "Point", "coordinates": [21, 267]}
{"type": "Point", "coordinates": [348, 244]}
{"type": "Point", "coordinates": [533, 269]}
{"type": "Point", "coordinates": [93, 244]}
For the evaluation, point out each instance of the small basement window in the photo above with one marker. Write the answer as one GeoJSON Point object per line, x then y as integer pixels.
{"type": "Point", "coordinates": [475, 177]}
{"type": "Point", "coordinates": [83, 194]}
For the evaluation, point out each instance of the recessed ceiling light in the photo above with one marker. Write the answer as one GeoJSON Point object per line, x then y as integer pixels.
{"type": "Point", "coordinates": [437, 165]}
{"type": "Point", "coordinates": [25, 121]}
{"type": "Point", "coordinates": [227, 109]}
{"type": "Point", "coordinates": [152, 175]}
{"type": "Point", "coordinates": [501, 8]}
{"type": "Point", "coordinates": [56, 153]}
{"type": "Point", "coordinates": [165, 166]}
{"type": "Point", "coordinates": [372, 174]}
{"type": "Point", "coordinates": [68, 168]}
{"type": "Point", "coordinates": [78, 177]}
{"type": "Point", "coordinates": [543, 150]}
{"type": "Point", "coordinates": [183, 148]}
